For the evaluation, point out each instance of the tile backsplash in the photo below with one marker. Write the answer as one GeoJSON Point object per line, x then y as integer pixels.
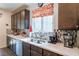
{"type": "Point", "coordinates": [63, 34]}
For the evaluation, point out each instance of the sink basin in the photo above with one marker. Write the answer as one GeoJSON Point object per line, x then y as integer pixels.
{"type": "Point", "coordinates": [38, 41]}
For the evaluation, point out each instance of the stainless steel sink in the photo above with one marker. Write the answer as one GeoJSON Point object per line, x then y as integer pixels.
{"type": "Point", "coordinates": [39, 41]}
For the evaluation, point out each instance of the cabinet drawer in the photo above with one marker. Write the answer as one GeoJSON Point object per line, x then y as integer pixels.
{"type": "Point", "coordinates": [48, 53]}
{"type": "Point", "coordinates": [37, 49]}
{"type": "Point", "coordinates": [34, 53]}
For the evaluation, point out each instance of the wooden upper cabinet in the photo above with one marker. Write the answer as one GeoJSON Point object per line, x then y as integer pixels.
{"type": "Point", "coordinates": [67, 18]}
{"type": "Point", "coordinates": [13, 22]}
{"type": "Point", "coordinates": [18, 20]}
{"type": "Point", "coordinates": [21, 20]}
{"type": "Point", "coordinates": [77, 11]}
{"type": "Point", "coordinates": [25, 18]}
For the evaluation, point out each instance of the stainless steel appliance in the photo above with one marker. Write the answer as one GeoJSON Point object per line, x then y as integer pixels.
{"type": "Point", "coordinates": [18, 47]}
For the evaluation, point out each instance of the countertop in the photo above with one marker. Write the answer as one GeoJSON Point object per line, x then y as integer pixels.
{"type": "Point", "coordinates": [57, 48]}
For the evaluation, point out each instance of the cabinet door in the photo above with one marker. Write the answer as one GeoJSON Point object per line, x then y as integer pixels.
{"type": "Point", "coordinates": [67, 16]}
{"type": "Point", "coordinates": [13, 22]}
{"type": "Point", "coordinates": [26, 49]}
{"type": "Point", "coordinates": [77, 8]}
{"type": "Point", "coordinates": [36, 51]}
{"type": "Point", "coordinates": [19, 20]}
{"type": "Point", "coordinates": [22, 19]}
{"type": "Point", "coordinates": [11, 43]}
{"type": "Point", "coordinates": [27, 19]}
{"type": "Point", "coordinates": [48, 53]}
{"type": "Point", "coordinates": [8, 42]}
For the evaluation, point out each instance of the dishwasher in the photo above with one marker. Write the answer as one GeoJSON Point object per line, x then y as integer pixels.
{"type": "Point", "coordinates": [18, 47]}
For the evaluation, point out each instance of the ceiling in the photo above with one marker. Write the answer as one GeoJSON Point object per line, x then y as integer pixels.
{"type": "Point", "coordinates": [13, 6]}
{"type": "Point", "coordinates": [9, 6]}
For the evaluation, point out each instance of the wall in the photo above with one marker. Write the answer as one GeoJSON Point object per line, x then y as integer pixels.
{"type": "Point", "coordinates": [4, 19]}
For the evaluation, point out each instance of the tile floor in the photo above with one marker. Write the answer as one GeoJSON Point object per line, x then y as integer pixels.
{"type": "Point", "coordinates": [6, 52]}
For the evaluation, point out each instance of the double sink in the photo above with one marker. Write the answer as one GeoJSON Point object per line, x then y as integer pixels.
{"type": "Point", "coordinates": [38, 41]}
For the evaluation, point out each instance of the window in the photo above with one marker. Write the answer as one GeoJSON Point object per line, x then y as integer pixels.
{"type": "Point", "coordinates": [36, 23]}
{"type": "Point", "coordinates": [48, 25]}
{"type": "Point", "coordinates": [43, 24]}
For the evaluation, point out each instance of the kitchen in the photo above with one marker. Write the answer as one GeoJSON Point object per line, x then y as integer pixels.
{"type": "Point", "coordinates": [39, 29]}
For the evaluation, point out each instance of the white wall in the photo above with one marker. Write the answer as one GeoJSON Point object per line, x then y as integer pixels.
{"type": "Point", "coordinates": [4, 19]}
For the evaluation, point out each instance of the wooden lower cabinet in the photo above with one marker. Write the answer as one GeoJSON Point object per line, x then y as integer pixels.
{"type": "Point", "coordinates": [26, 52]}
{"type": "Point", "coordinates": [67, 16]}
{"type": "Point", "coordinates": [14, 45]}
{"type": "Point", "coordinates": [49, 53]}
{"type": "Point", "coordinates": [36, 51]}
{"type": "Point", "coordinates": [9, 42]}
{"type": "Point", "coordinates": [26, 49]}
